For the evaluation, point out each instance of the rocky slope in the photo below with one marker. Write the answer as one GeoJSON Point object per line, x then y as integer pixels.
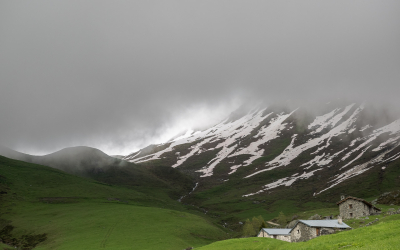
{"type": "Point", "coordinates": [329, 148]}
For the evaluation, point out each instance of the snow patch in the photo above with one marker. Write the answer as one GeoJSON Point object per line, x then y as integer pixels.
{"type": "Point", "coordinates": [320, 160]}
{"type": "Point", "coordinates": [234, 168]}
{"type": "Point", "coordinates": [291, 153]}
{"type": "Point", "coordinates": [365, 127]}
{"type": "Point", "coordinates": [393, 158]}
{"type": "Point", "coordinates": [392, 128]}
{"type": "Point", "coordinates": [286, 181]}
{"type": "Point", "coordinates": [287, 149]}
{"type": "Point", "coordinates": [195, 150]}
{"type": "Point", "coordinates": [358, 156]}
{"type": "Point", "coordinates": [357, 170]}
{"type": "Point", "coordinates": [208, 170]}
{"type": "Point", "coordinates": [265, 134]}
{"type": "Point", "coordinates": [328, 120]}
{"type": "Point", "coordinates": [384, 144]}
{"type": "Point", "coordinates": [351, 130]}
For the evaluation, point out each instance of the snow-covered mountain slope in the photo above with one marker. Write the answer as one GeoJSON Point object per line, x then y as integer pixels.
{"type": "Point", "coordinates": [343, 138]}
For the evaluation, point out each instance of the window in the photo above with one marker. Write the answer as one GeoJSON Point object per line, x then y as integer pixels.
{"type": "Point", "coordinates": [351, 214]}
{"type": "Point", "coordinates": [298, 231]}
{"type": "Point", "coordinates": [350, 205]}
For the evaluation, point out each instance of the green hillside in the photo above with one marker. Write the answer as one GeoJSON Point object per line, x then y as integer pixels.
{"type": "Point", "coordinates": [383, 235]}
{"type": "Point", "coordinates": [226, 202]}
{"type": "Point", "coordinates": [95, 164]}
{"type": "Point", "coordinates": [137, 209]}
{"type": "Point", "coordinates": [73, 212]}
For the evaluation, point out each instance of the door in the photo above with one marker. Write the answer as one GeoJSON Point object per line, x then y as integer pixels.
{"type": "Point", "coordinates": [318, 230]}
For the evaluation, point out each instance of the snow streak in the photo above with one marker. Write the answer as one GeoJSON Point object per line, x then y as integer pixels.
{"type": "Point", "coordinates": [258, 128]}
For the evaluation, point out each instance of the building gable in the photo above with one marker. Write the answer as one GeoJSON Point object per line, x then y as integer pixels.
{"type": "Point", "coordinates": [352, 207]}
{"type": "Point", "coordinates": [358, 200]}
{"type": "Point", "coordinates": [308, 229]}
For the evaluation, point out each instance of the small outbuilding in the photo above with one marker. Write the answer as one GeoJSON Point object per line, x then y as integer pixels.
{"type": "Point", "coordinates": [275, 233]}
{"type": "Point", "coordinates": [352, 207]}
{"type": "Point", "coordinates": [305, 230]}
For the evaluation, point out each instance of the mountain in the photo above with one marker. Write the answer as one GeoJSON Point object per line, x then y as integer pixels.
{"type": "Point", "coordinates": [95, 164]}
{"type": "Point", "coordinates": [257, 162]}
{"type": "Point", "coordinates": [76, 160]}
{"type": "Point", "coordinates": [276, 153]}
{"type": "Point", "coordinates": [9, 153]}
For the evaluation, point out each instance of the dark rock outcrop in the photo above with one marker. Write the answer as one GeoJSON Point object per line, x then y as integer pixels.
{"type": "Point", "coordinates": [389, 198]}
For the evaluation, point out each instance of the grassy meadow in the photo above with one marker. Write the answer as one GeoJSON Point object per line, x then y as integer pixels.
{"type": "Point", "coordinates": [382, 235]}
{"type": "Point", "coordinates": [79, 213]}
{"type": "Point", "coordinates": [94, 225]}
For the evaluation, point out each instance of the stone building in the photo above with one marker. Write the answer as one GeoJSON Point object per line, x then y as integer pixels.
{"type": "Point", "coordinates": [352, 207]}
{"type": "Point", "coordinates": [308, 229]}
{"type": "Point", "coordinates": [275, 233]}
{"type": "Point", "coordinates": [304, 230]}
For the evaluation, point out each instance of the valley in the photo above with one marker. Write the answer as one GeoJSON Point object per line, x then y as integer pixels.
{"type": "Point", "coordinates": [179, 125]}
{"type": "Point", "coordinates": [200, 188]}
{"type": "Point", "coordinates": [79, 213]}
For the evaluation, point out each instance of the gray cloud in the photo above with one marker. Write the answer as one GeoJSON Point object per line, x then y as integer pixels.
{"type": "Point", "coordinates": [119, 75]}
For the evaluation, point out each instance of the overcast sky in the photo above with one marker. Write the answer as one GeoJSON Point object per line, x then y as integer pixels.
{"type": "Point", "coordinates": [119, 75]}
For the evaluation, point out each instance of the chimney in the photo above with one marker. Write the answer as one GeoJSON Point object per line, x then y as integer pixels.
{"type": "Point", "coordinates": [339, 220]}
{"type": "Point", "coordinates": [342, 197]}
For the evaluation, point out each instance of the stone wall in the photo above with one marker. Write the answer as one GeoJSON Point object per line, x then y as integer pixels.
{"type": "Point", "coordinates": [303, 232]}
{"type": "Point", "coordinates": [284, 238]}
{"type": "Point", "coordinates": [300, 233]}
{"type": "Point", "coordinates": [278, 237]}
{"type": "Point", "coordinates": [326, 231]}
{"type": "Point", "coordinates": [262, 234]}
{"type": "Point", "coordinates": [358, 209]}
{"type": "Point", "coordinates": [374, 211]}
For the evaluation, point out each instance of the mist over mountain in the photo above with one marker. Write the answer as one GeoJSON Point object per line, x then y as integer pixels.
{"type": "Point", "coordinates": [170, 124]}
{"type": "Point", "coordinates": [257, 159]}
{"type": "Point", "coordinates": [95, 164]}
{"type": "Point", "coordinates": [81, 158]}
{"type": "Point", "coordinates": [73, 160]}
{"type": "Point", "coordinates": [121, 76]}
{"type": "Point", "coordinates": [337, 143]}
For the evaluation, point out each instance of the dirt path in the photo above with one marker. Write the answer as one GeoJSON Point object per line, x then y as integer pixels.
{"type": "Point", "coordinates": [109, 232]}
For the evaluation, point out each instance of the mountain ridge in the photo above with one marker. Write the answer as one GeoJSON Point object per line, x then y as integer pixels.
{"type": "Point", "coordinates": [93, 163]}
{"type": "Point", "coordinates": [346, 138]}
{"type": "Point", "coordinates": [266, 160]}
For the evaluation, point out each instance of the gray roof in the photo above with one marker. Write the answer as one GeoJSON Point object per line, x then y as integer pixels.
{"type": "Point", "coordinates": [324, 223]}
{"type": "Point", "coordinates": [277, 231]}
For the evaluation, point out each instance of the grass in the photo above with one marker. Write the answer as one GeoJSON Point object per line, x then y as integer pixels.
{"type": "Point", "coordinates": [108, 225]}
{"type": "Point", "coordinates": [383, 235]}
{"type": "Point", "coordinates": [80, 213]}
{"type": "Point", "coordinates": [74, 210]}
{"type": "Point", "coordinates": [247, 244]}
{"type": "Point", "coordinates": [226, 201]}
